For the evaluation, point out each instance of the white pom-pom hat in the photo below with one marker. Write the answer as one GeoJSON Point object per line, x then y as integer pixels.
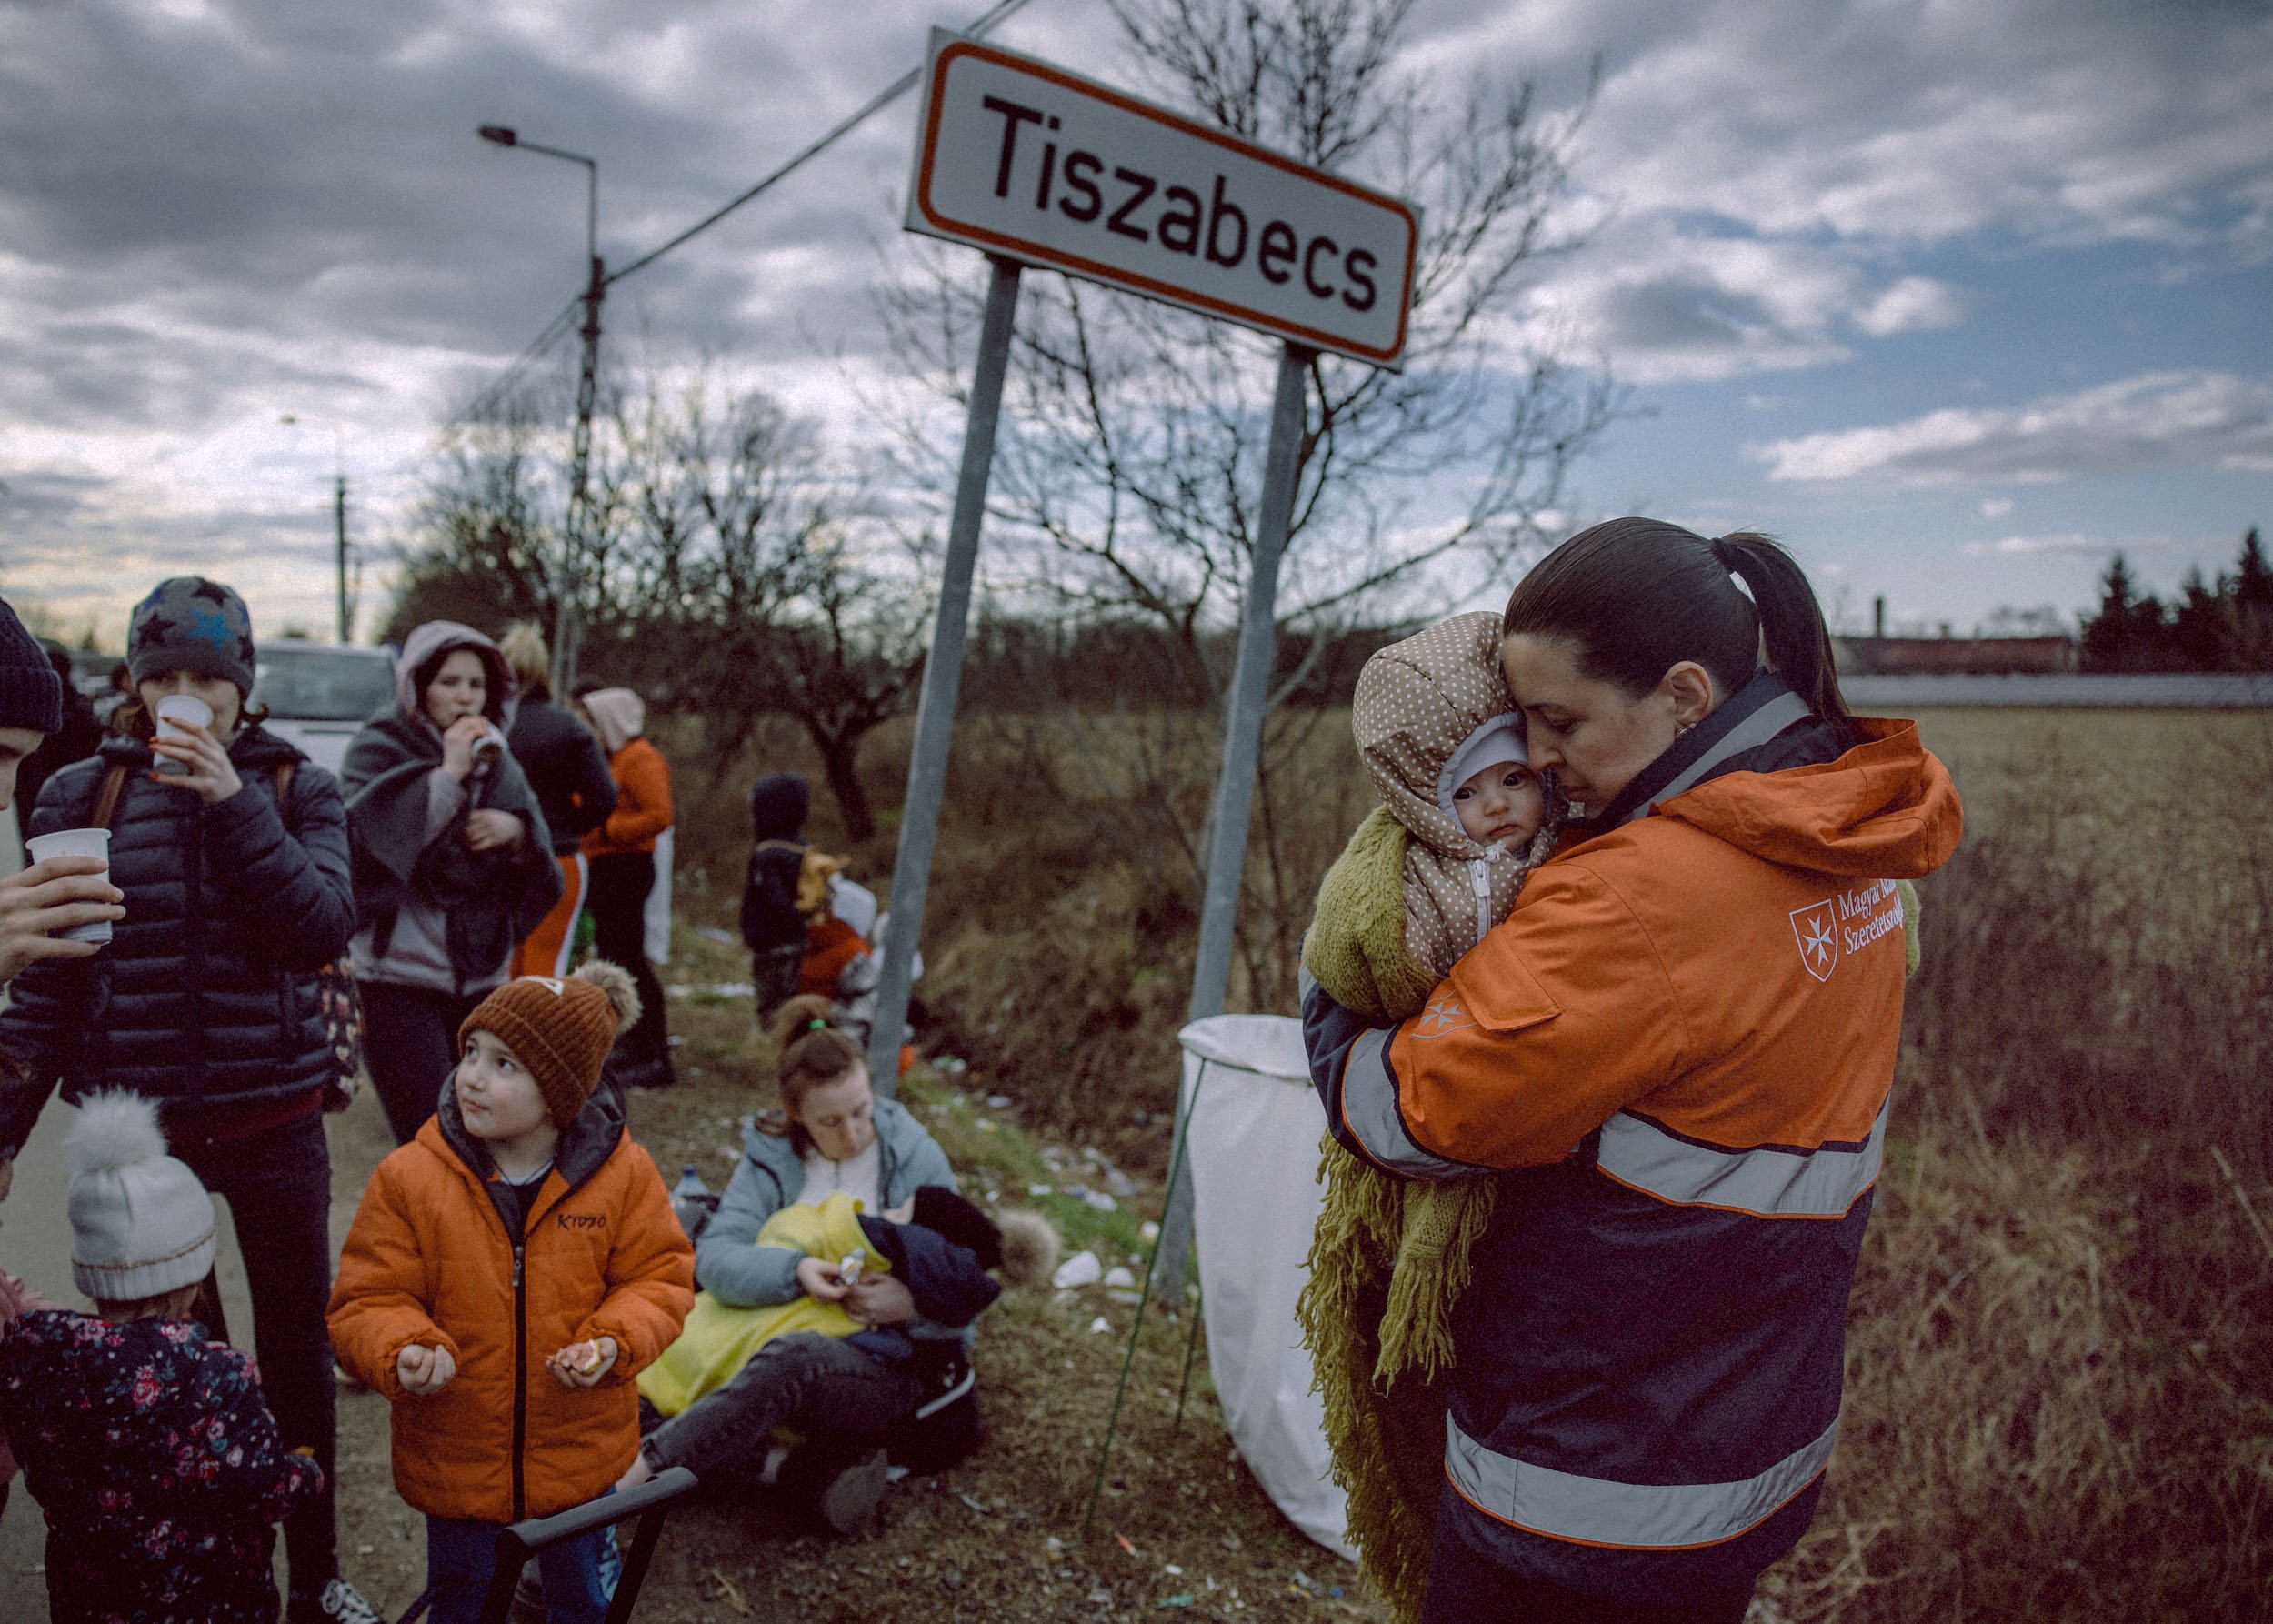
{"type": "Point", "coordinates": [141, 1223]}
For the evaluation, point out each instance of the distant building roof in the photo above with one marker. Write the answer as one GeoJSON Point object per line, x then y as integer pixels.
{"type": "Point", "coordinates": [1978, 657]}
{"type": "Point", "coordinates": [1898, 696]}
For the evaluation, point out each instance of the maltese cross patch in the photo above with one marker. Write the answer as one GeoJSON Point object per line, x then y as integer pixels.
{"type": "Point", "coordinates": [1442, 1016]}
{"type": "Point", "coordinates": [1818, 929]}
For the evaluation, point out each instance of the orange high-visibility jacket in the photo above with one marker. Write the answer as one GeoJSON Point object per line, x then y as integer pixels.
{"type": "Point", "coordinates": [429, 1260]}
{"type": "Point", "coordinates": [1684, 1038]}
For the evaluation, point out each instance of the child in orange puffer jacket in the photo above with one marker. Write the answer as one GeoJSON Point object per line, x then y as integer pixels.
{"type": "Point", "coordinates": [509, 1271]}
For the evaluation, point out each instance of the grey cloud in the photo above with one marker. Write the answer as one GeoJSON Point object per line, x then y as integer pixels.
{"type": "Point", "coordinates": [289, 201]}
{"type": "Point", "coordinates": [264, 158]}
{"type": "Point", "coordinates": [1678, 313]}
{"type": "Point", "coordinates": [2057, 120]}
{"type": "Point", "coordinates": [2195, 419]}
{"type": "Point", "coordinates": [43, 497]}
{"type": "Point", "coordinates": [83, 375]}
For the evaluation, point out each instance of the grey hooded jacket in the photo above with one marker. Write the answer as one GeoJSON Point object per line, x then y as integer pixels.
{"type": "Point", "coordinates": [732, 1267]}
{"type": "Point", "coordinates": [433, 914]}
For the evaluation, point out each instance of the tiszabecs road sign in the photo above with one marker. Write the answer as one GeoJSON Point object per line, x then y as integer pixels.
{"type": "Point", "coordinates": [1021, 158]}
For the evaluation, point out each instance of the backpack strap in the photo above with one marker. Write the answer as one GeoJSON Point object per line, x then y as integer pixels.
{"type": "Point", "coordinates": [106, 797]}
{"type": "Point", "coordinates": [285, 770]}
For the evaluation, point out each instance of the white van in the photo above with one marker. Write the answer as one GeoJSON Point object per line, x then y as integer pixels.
{"type": "Point", "coordinates": [319, 695]}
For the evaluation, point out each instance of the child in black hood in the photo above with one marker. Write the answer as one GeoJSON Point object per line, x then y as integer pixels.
{"type": "Point", "coordinates": [773, 926]}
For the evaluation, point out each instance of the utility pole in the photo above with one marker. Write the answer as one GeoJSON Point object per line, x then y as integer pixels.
{"type": "Point", "coordinates": [339, 525]}
{"type": "Point", "coordinates": [564, 623]}
{"type": "Point", "coordinates": [567, 625]}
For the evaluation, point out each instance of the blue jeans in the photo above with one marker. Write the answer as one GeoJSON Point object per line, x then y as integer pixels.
{"type": "Point", "coordinates": [579, 1574]}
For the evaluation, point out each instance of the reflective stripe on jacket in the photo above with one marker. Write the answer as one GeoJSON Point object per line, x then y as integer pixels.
{"type": "Point", "coordinates": [1678, 1048]}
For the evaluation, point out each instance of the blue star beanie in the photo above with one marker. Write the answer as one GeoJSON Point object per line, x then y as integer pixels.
{"type": "Point", "coordinates": [191, 623]}
{"type": "Point", "coordinates": [31, 694]}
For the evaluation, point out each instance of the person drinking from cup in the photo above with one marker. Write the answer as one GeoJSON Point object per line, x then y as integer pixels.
{"type": "Point", "coordinates": [46, 909]}
{"type": "Point", "coordinates": [230, 848]}
{"type": "Point", "coordinates": [41, 905]}
{"type": "Point", "coordinates": [453, 860]}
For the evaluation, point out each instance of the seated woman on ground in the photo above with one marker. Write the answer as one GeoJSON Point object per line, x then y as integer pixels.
{"type": "Point", "coordinates": [899, 1353]}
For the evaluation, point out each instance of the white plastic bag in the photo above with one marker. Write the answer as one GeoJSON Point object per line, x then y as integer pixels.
{"type": "Point", "coordinates": [1254, 1129]}
{"type": "Point", "coordinates": [655, 921]}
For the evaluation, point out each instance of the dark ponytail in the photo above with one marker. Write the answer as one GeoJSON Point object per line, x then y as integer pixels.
{"type": "Point", "coordinates": [1635, 596]}
{"type": "Point", "coordinates": [1791, 621]}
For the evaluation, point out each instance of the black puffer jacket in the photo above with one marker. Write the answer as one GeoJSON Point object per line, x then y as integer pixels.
{"type": "Point", "coordinates": [566, 767]}
{"type": "Point", "coordinates": [207, 993]}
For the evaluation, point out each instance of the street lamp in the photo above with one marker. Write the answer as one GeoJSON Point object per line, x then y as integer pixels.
{"type": "Point", "coordinates": [587, 381]}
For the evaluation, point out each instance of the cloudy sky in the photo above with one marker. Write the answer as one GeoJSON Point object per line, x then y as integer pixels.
{"type": "Point", "coordinates": [1957, 299]}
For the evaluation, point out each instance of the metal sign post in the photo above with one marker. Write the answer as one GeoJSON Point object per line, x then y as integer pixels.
{"type": "Point", "coordinates": [1235, 784]}
{"type": "Point", "coordinates": [943, 676]}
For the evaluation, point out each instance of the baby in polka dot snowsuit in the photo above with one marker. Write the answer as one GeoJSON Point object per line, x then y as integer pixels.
{"type": "Point", "coordinates": [1443, 743]}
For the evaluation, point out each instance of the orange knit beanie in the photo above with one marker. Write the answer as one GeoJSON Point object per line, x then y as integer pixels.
{"type": "Point", "coordinates": [560, 1029]}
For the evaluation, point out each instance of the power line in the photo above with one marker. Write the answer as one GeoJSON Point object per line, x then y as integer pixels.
{"type": "Point", "coordinates": [495, 394]}
{"type": "Point", "coordinates": [496, 391]}
{"type": "Point", "coordinates": [876, 104]}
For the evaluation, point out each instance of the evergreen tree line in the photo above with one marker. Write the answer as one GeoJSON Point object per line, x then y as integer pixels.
{"type": "Point", "coordinates": [2225, 627]}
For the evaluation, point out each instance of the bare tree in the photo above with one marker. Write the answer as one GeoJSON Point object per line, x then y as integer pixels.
{"type": "Point", "coordinates": [485, 537]}
{"type": "Point", "coordinates": [1127, 481]}
{"type": "Point", "coordinates": [849, 659]}
{"type": "Point", "coordinates": [730, 569]}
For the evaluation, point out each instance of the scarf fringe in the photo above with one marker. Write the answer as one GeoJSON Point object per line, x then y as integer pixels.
{"type": "Point", "coordinates": [1390, 1256]}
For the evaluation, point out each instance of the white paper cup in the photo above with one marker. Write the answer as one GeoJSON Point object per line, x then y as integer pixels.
{"type": "Point", "coordinates": [76, 843]}
{"type": "Point", "coordinates": [185, 709]}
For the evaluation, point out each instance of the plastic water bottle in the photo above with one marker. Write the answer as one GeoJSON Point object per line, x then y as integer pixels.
{"type": "Point", "coordinates": [692, 1200]}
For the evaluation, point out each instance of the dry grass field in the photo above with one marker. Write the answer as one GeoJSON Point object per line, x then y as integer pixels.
{"type": "Point", "coordinates": [2061, 1371]}
{"type": "Point", "coordinates": [2060, 1376]}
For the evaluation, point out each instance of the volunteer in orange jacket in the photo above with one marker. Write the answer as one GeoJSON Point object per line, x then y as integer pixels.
{"type": "Point", "coordinates": [509, 1271]}
{"type": "Point", "coordinates": [1680, 1046]}
{"type": "Point", "coordinates": [622, 855]}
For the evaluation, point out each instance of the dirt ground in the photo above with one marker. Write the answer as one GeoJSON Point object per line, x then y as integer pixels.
{"type": "Point", "coordinates": [1180, 1526]}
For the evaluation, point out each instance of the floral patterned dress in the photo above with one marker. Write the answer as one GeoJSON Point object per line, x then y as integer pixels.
{"type": "Point", "coordinates": [157, 1463]}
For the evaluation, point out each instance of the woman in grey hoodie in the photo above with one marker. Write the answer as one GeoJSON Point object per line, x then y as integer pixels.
{"type": "Point", "coordinates": [453, 863]}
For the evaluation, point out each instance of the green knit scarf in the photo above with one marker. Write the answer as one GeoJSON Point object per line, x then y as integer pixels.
{"type": "Point", "coordinates": [1390, 1255]}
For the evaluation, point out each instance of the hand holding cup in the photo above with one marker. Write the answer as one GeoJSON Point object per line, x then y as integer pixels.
{"type": "Point", "coordinates": [187, 752]}
{"type": "Point", "coordinates": [460, 739]}
{"type": "Point", "coordinates": [61, 907]}
{"type": "Point", "coordinates": [178, 714]}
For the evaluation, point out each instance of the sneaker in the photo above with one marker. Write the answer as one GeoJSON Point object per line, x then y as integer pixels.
{"type": "Point", "coordinates": [849, 1498]}
{"type": "Point", "coordinates": [341, 1603]}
